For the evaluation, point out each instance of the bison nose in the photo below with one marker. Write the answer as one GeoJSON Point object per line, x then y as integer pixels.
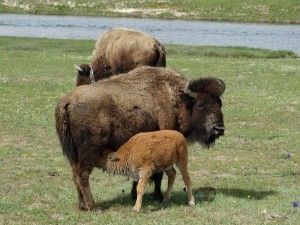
{"type": "Point", "coordinates": [218, 130]}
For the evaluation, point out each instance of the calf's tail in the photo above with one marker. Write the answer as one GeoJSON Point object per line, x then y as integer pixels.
{"type": "Point", "coordinates": [64, 132]}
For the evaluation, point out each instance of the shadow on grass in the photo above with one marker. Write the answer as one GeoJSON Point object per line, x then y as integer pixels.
{"type": "Point", "coordinates": [179, 198]}
{"type": "Point", "coordinates": [241, 193]}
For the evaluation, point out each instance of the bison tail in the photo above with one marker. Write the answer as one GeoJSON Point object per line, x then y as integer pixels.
{"type": "Point", "coordinates": [161, 55]}
{"type": "Point", "coordinates": [63, 130]}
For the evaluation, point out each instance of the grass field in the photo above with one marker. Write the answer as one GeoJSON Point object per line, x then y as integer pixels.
{"type": "Point", "coordinates": [271, 11]}
{"type": "Point", "coordinates": [254, 169]}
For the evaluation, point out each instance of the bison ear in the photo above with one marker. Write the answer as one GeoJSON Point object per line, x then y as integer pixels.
{"type": "Point", "coordinates": [188, 100]}
{"type": "Point", "coordinates": [214, 86]}
{"type": "Point", "coordinates": [218, 87]}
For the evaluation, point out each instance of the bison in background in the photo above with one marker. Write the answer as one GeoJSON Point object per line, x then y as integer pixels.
{"type": "Point", "coordinates": [120, 50]}
{"type": "Point", "coordinates": [107, 114]}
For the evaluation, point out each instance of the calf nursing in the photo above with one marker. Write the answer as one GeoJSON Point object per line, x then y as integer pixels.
{"type": "Point", "coordinates": [149, 153]}
{"type": "Point", "coordinates": [107, 114]}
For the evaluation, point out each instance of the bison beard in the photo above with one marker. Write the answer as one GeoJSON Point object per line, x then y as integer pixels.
{"type": "Point", "coordinates": [93, 117]}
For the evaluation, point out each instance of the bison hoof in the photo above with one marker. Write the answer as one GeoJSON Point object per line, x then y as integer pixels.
{"type": "Point", "coordinates": [192, 204]}
{"type": "Point", "coordinates": [165, 200]}
{"type": "Point", "coordinates": [136, 209]}
{"type": "Point", "coordinates": [98, 209]}
{"type": "Point", "coordinates": [94, 208]}
{"type": "Point", "coordinates": [158, 196]}
{"type": "Point", "coordinates": [81, 207]}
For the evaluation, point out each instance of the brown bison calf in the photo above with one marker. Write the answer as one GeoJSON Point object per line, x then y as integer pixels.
{"type": "Point", "coordinates": [148, 153]}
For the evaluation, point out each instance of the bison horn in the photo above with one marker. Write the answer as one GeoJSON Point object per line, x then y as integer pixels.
{"type": "Point", "coordinates": [78, 68]}
{"type": "Point", "coordinates": [92, 77]}
{"type": "Point", "coordinates": [188, 91]}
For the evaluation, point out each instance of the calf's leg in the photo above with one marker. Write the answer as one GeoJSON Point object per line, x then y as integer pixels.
{"type": "Point", "coordinates": [157, 195]}
{"type": "Point", "coordinates": [182, 166]}
{"type": "Point", "coordinates": [171, 173]}
{"type": "Point", "coordinates": [144, 178]}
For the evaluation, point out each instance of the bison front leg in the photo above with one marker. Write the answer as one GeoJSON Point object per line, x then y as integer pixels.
{"type": "Point", "coordinates": [133, 190]}
{"type": "Point", "coordinates": [85, 199]}
{"type": "Point", "coordinates": [157, 178]}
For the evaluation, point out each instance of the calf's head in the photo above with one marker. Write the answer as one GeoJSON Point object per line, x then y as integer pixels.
{"type": "Point", "coordinates": [200, 116]}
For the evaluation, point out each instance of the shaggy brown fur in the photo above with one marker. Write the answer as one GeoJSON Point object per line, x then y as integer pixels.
{"type": "Point", "coordinates": [120, 50]}
{"type": "Point", "coordinates": [107, 114]}
{"type": "Point", "coordinates": [149, 153]}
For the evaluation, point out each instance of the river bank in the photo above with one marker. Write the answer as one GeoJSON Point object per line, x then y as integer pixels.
{"type": "Point", "coordinates": [271, 11]}
{"type": "Point", "coordinates": [199, 33]}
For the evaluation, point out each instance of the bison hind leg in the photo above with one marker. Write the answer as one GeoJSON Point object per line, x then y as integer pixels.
{"type": "Point", "coordinates": [81, 179]}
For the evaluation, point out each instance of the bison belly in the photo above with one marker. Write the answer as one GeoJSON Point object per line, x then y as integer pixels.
{"type": "Point", "coordinates": [136, 120]}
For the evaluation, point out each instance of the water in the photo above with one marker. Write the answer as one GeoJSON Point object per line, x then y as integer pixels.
{"type": "Point", "coordinates": [197, 33]}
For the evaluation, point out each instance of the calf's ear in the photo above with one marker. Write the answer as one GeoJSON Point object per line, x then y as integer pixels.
{"type": "Point", "coordinates": [112, 156]}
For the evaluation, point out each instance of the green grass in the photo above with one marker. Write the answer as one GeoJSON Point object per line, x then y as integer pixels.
{"type": "Point", "coordinates": [235, 52]}
{"type": "Point", "coordinates": [271, 11]}
{"type": "Point", "coordinates": [254, 182]}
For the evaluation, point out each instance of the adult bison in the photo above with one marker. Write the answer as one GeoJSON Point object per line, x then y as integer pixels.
{"type": "Point", "coordinates": [120, 50]}
{"type": "Point", "coordinates": [108, 113]}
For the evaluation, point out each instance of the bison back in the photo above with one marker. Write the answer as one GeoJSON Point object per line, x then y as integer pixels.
{"type": "Point", "coordinates": [108, 113]}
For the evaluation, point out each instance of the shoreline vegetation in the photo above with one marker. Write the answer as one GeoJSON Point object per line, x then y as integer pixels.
{"type": "Point", "coordinates": [26, 43]}
{"type": "Point", "coordinates": [272, 11]}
